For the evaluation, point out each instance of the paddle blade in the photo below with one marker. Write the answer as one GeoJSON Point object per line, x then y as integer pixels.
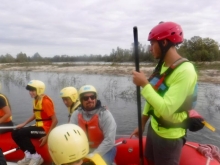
{"type": "Point", "coordinates": [209, 126]}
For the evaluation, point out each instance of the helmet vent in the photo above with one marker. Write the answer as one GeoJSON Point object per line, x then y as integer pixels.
{"type": "Point", "coordinates": [181, 33]}
{"type": "Point", "coordinates": [77, 132]}
{"type": "Point", "coordinates": [84, 152]}
{"type": "Point", "coordinates": [72, 157]}
{"type": "Point", "coordinates": [172, 33]}
{"type": "Point", "coordinates": [66, 137]}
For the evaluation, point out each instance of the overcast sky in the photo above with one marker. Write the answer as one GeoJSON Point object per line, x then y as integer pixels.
{"type": "Point", "coordinates": [77, 27]}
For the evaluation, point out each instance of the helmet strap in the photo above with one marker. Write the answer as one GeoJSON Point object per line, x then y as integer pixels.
{"type": "Point", "coordinates": [164, 50]}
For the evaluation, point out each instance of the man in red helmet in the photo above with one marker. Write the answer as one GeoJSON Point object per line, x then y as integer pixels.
{"type": "Point", "coordinates": [170, 93]}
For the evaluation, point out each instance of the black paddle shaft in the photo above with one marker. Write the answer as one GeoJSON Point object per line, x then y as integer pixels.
{"type": "Point", "coordinates": [136, 55]}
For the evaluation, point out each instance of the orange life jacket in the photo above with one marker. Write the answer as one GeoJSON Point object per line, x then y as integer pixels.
{"type": "Point", "coordinates": [2, 113]}
{"type": "Point", "coordinates": [92, 129]}
{"type": "Point", "coordinates": [41, 117]}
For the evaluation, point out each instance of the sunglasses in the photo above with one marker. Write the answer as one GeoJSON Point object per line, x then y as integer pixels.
{"type": "Point", "coordinates": [86, 98]}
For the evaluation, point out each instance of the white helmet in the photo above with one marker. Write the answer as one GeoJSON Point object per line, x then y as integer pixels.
{"type": "Point", "coordinates": [86, 89]}
{"type": "Point", "coordinates": [67, 143]}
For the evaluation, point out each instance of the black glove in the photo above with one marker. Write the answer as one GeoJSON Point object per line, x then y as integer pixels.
{"type": "Point", "coordinates": [195, 124]}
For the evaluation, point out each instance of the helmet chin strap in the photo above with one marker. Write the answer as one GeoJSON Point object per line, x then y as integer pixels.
{"type": "Point", "coordinates": [164, 50]}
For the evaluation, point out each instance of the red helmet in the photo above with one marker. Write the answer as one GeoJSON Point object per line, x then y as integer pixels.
{"type": "Point", "coordinates": [167, 30]}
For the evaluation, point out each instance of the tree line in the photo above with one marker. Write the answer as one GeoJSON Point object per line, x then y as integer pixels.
{"type": "Point", "coordinates": [196, 49]}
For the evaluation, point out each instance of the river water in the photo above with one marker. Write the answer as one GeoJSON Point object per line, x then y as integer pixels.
{"type": "Point", "coordinates": [116, 92]}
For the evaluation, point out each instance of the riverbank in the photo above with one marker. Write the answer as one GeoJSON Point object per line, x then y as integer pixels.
{"type": "Point", "coordinates": [205, 74]}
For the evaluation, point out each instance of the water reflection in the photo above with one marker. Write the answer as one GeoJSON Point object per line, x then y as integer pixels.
{"type": "Point", "coordinates": [116, 92]}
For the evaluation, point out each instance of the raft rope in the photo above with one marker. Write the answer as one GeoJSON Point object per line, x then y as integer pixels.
{"type": "Point", "coordinates": [208, 150]}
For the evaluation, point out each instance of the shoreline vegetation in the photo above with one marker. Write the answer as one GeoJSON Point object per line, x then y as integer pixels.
{"type": "Point", "coordinates": [207, 71]}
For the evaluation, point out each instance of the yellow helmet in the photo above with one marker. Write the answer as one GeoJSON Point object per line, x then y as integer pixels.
{"type": "Point", "coordinates": [67, 143]}
{"type": "Point", "coordinates": [86, 89]}
{"type": "Point", "coordinates": [37, 85]}
{"type": "Point", "coordinates": [70, 92]}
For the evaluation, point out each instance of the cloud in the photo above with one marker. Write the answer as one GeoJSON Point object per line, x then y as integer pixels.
{"type": "Point", "coordinates": [95, 26]}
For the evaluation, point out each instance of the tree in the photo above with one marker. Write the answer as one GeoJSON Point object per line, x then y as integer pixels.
{"type": "Point", "coordinates": [200, 49]}
{"type": "Point", "coordinates": [7, 58]}
{"type": "Point", "coordinates": [36, 57]}
{"type": "Point", "coordinates": [22, 57]}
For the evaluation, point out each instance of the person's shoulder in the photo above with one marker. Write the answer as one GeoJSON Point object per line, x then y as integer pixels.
{"type": "Point", "coordinates": [186, 64]}
{"type": "Point", "coordinates": [105, 111]}
{"type": "Point", "coordinates": [103, 108]}
{"type": "Point", "coordinates": [77, 111]}
{"type": "Point", "coordinates": [46, 98]}
{"type": "Point", "coordinates": [186, 67]}
{"type": "Point", "coordinates": [186, 73]}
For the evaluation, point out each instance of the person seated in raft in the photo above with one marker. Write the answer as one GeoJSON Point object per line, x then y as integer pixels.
{"type": "Point", "coordinates": [70, 99]}
{"type": "Point", "coordinates": [46, 120]}
{"type": "Point", "coordinates": [68, 145]}
{"type": "Point", "coordinates": [97, 122]}
{"type": "Point", "coordinates": [5, 114]}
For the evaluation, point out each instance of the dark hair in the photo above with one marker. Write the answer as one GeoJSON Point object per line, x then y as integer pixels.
{"type": "Point", "coordinates": [30, 88]}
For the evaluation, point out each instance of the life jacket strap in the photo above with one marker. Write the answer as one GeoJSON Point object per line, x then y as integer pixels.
{"type": "Point", "coordinates": [43, 119]}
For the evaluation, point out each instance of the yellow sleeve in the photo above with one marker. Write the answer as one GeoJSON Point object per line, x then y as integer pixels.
{"type": "Point", "coordinates": [146, 108]}
{"type": "Point", "coordinates": [181, 83]}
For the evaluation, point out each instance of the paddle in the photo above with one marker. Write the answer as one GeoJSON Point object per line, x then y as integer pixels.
{"type": "Point", "coordinates": [8, 127]}
{"type": "Point", "coordinates": [121, 142]}
{"type": "Point", "coordinates": [135, 32]}
{"type": "Point", "coordinates": [209, 126]}
{"type": "Point", "coordinates": [10, 151]}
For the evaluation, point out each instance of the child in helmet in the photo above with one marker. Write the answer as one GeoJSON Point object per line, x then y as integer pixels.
{"type": "Point", "coordinates": [70, 99]}
{"type": "Point", "coordinates": [68, 145]}
{"type": "Point", "coordinates": [46, 120]}
{"type": "Point", "coordinates": [5, 114]}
